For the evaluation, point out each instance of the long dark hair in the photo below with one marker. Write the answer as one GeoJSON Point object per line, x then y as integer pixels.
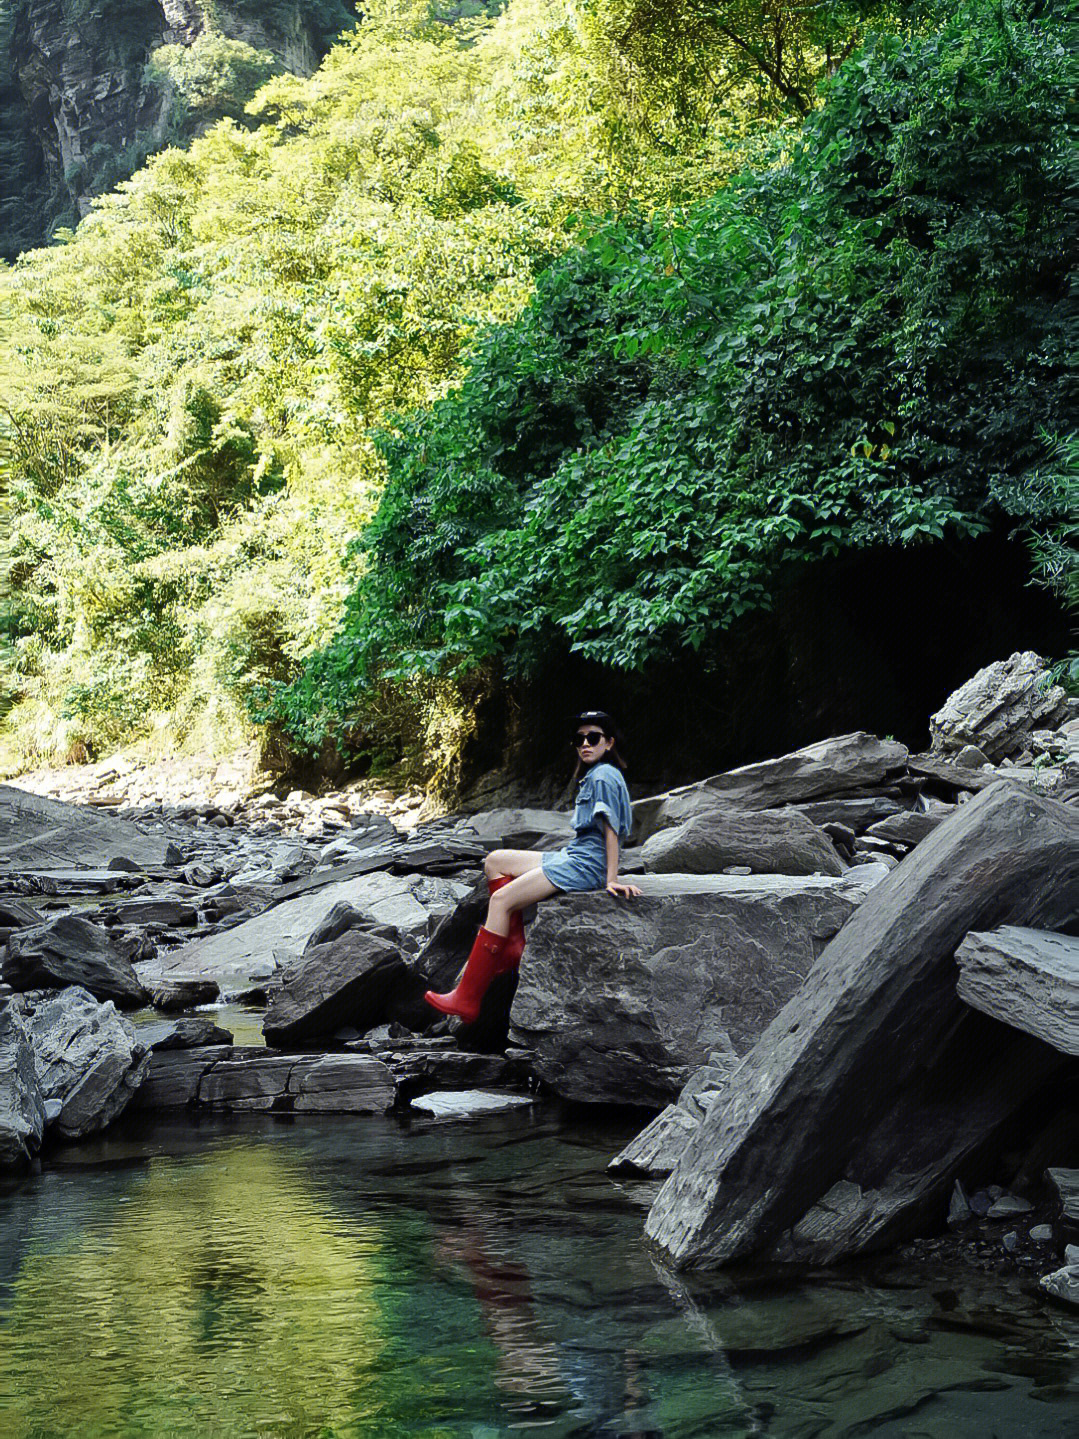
{"type": "Point", "coordinates": [606, 725]}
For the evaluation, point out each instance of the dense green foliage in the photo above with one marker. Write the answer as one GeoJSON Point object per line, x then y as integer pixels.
{"type": "Point", "coordinates": [861, 343]}
{"type": "Point", "coordinates": [188, 384]}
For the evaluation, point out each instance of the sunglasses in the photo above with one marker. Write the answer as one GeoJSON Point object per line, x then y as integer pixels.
{"type": "Point", "coordinates": [591, 738]}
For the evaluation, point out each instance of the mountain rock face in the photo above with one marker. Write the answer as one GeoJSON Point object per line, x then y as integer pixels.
{"type": "Point", "coordinates": [84, 109]}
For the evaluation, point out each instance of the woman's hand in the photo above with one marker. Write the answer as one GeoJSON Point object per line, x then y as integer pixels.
{"type": "Point", "coordinates": [622, 891]}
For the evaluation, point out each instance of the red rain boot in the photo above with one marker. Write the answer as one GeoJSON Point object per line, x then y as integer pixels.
{"type": "Point", "coordinates": [515, 944]}
{"type": "Point", "coordinates": [480, 969]}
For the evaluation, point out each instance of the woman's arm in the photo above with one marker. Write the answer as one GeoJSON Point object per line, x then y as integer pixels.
{"type": "Point", "coordinates": [610, 844]}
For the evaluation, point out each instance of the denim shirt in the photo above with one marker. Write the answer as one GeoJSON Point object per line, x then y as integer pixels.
{"type": "Point", "coordinates": [603, 795]}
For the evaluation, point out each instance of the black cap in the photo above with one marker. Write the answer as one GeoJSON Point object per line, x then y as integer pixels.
{"type": "Point", "coordinates": [596, 717]}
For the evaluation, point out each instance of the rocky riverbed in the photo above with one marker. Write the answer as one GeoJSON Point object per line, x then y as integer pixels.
{"type": "Point", "coordinates": [846, 1004]}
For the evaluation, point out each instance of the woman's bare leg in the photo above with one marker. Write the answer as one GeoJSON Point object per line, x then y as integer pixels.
{"type": "Point", "coordinates": [511, 861]}
{"type": "Point", "coordinates": [526, 889]}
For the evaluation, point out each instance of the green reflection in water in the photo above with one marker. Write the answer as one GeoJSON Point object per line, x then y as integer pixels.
{"type": "Point", "coordinates": [336, 1280]}
{"type": "Point", "coordinates": [226, 1297]}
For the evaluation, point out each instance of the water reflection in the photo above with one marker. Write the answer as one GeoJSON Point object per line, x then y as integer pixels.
{"type": "Point", "coordinates": [343, 1277]}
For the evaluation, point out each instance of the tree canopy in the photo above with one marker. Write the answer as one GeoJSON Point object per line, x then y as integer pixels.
{"type": "Point", "coordinates": [862, 342]}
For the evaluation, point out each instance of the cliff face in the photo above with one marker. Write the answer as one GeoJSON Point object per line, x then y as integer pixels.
{"type": "Point", "coordinates": [81, 112]}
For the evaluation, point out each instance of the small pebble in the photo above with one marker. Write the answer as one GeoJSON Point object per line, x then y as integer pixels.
{"type": "Point", "coordinates": [1042, 1233]}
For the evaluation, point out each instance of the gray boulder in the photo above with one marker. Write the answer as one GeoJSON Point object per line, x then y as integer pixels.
{"type": "Point", "coordinates": [254, 1080]}
{"type": "Point", "coordinates": [999, 708]}
{"type": "Point", "coordinates": [516, 828]}
{"type": "Point", "coordinates": [22, 1104]}
{"type": "Point", "coordinates": [1064, 1186]}
{"type": "Point", "coordinates": [195, 1032]}
{"type": "Point", "coordinates": [1063, 1284]}
{"type": "Point", "coordinates": [173, 995]}
{"type": "Point", "coordinates": [844, 765]}
{"type": "Point", "coordinates": [869, 1075]}
{"type": "Point", "coordinates": [70, 950]}
{"type": "Point", "coordinates": [1028, 978]}
{"type": "Point", "coordinates": [622, 1000]}
{"type": "Point", "coordinates": [346, 982]}
{"type": "Point", "coordinates": [86, 1055]}
{"type": "Point", "coordinates": [911, 826]}
{"type": "Point", "coordinates": [779, 841]}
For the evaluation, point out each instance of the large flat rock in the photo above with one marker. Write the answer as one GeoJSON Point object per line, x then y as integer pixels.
{"type": "Point", "coordinates": [834, 767]}
{"type": "Point", "coordinates": [1028, 978]}
{"type": "Point", "coordinates": [241, 956]}
{"type": "Point", "coordinates": [875, 1074]}
{"type": "Point", "coordinates": [39, 833]}
{"type": "Point", "coordinates": [622, 1000]}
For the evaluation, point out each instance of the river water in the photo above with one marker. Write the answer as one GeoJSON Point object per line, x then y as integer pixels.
{"type": "Point", "coordinates": [347, 1276]}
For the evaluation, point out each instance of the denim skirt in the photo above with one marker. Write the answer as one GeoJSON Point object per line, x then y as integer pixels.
{"type": "Point", "coordinates": [581, 865]}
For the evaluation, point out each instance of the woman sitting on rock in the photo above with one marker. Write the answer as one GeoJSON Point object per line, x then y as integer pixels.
{"type": "Point", "coordinates": [516, 878]}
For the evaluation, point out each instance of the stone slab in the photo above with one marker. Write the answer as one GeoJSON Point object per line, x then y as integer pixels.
{"type": "Point", "coordinates": [1027, 978]}
{"type": "Point", "coordinates": [467, 1104]}
{"type": "Point", "coordinates": [240, 1083]}
{"type": "Point", "coordinates": [41, 833]}
{"type": "Point", "coordinates": [856, 814]}
{"type": "Point", "coordinates": [173, 1076]}
{"type": "Point", "coordinates": [342, 1084]}
{"type": "Point", "coordinates": [876, 1050]}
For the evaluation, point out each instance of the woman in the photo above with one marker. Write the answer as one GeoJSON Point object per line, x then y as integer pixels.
{"type": "Point", "coordinates": [516, 878]}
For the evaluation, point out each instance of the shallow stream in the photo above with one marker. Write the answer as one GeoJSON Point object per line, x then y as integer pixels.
{"type": "Point", "coordinates": [347, 1276]}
